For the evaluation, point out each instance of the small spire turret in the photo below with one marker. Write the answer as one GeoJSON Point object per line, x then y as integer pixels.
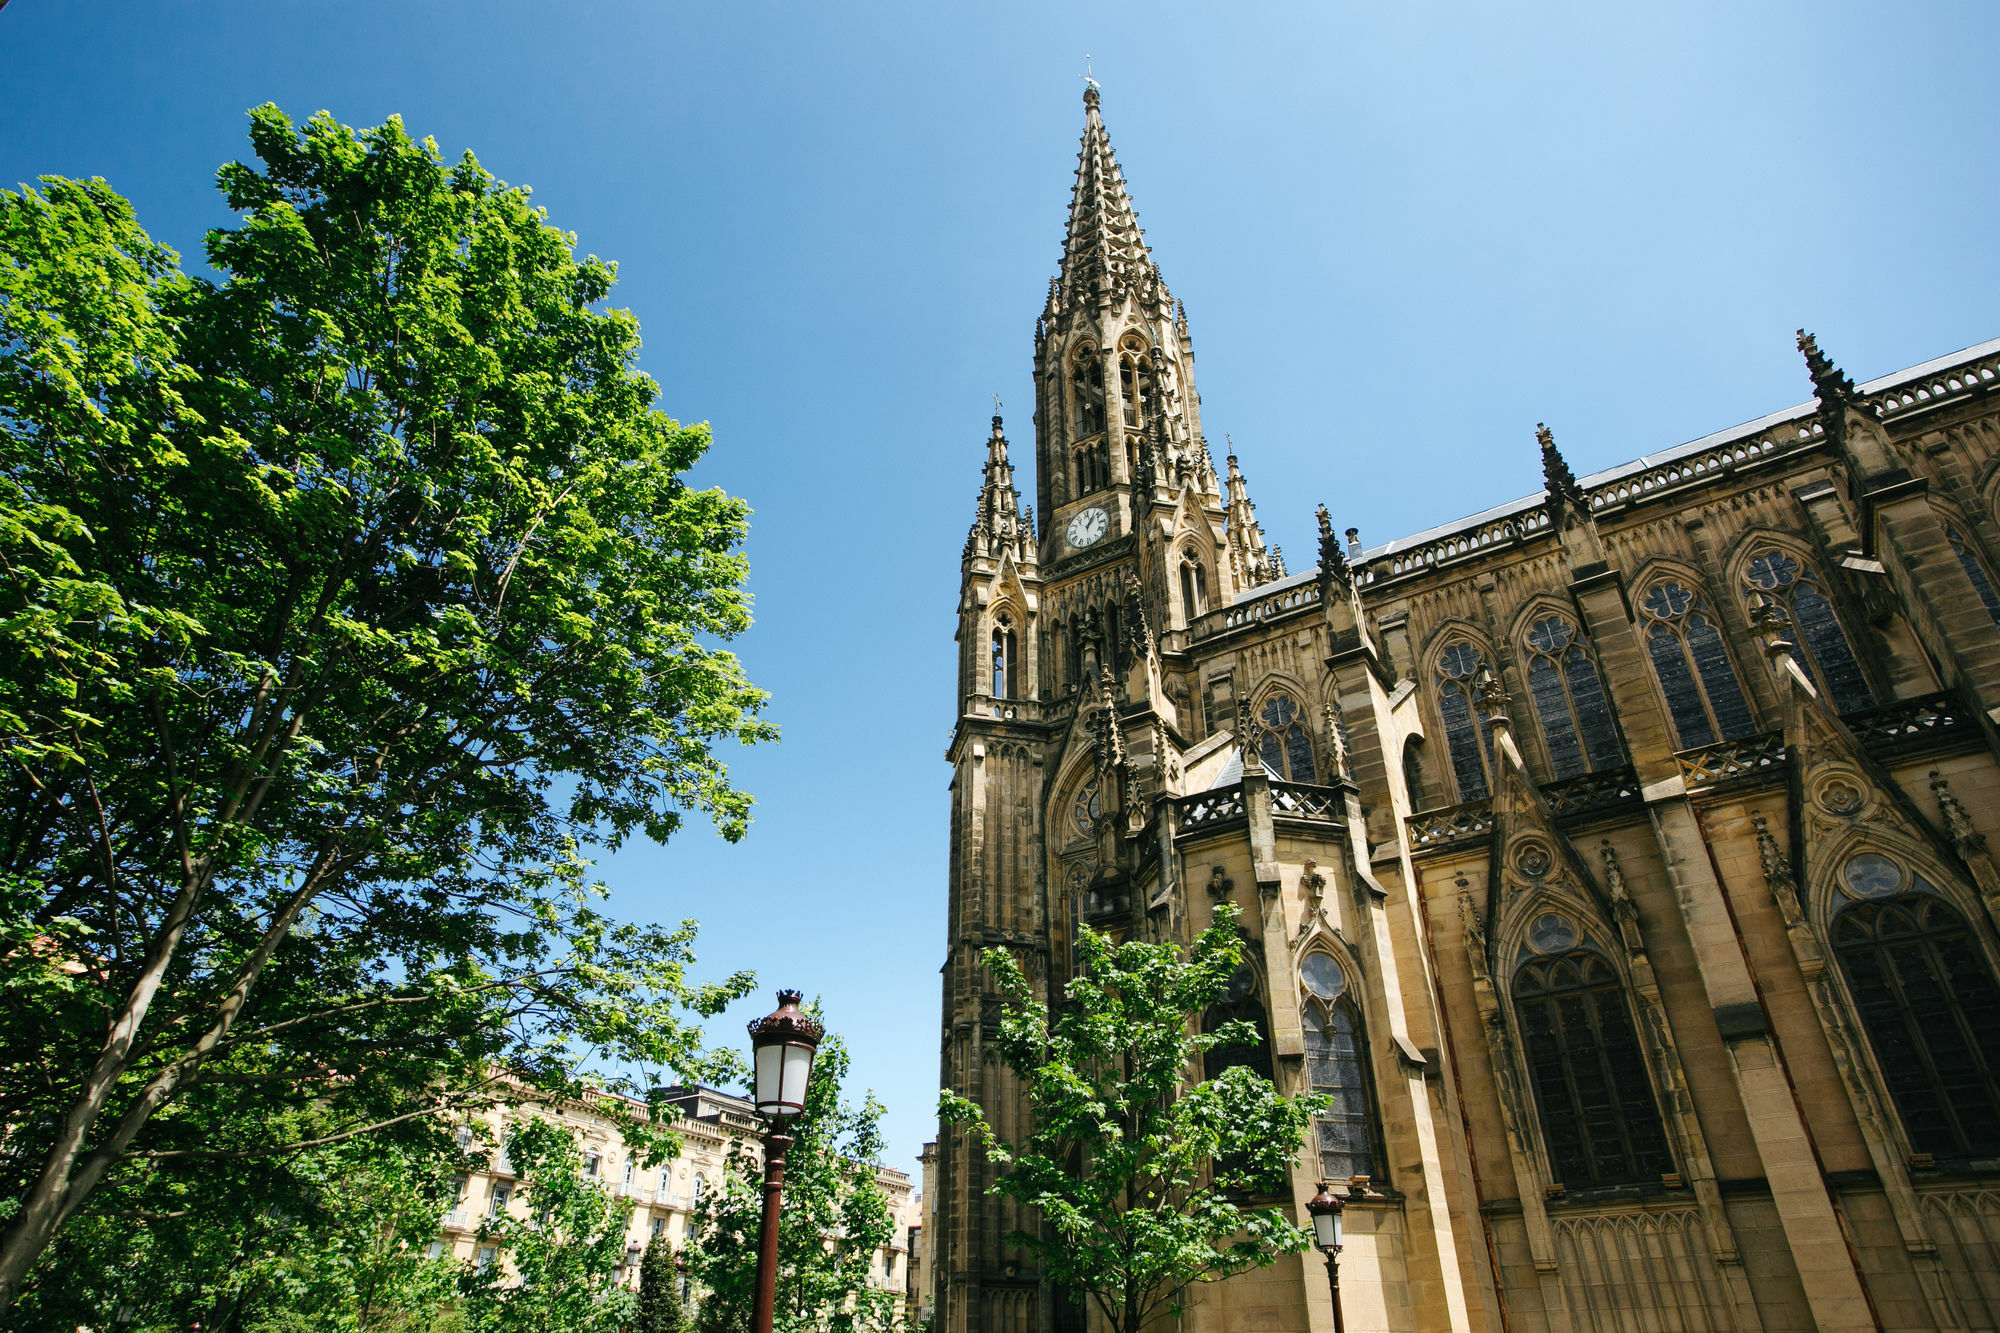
{"type": "Point", "coordinates": [1104, 251]}
{"type": "Point", "coordinates": [1830, 383]}
{"type": "Point", "coordinates": [1247, 551]}
{"type": "Point", "coordinates": [1559, 483]}
{"type": "Point", "coordinates": [1001, 522]}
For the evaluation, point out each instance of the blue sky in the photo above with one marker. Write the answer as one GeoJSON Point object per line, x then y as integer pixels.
{"type": "Point", "coordinates": [1404, 234]}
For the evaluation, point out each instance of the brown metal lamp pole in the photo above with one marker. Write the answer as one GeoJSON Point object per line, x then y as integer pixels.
{"type": "Point", "coordinates": [782, 1045]}
{"type": "Point", "coordinates": [1325, 1208]}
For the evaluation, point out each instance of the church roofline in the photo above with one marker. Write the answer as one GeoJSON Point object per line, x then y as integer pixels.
{"type": "Point", "coordinates": [1371, 560]}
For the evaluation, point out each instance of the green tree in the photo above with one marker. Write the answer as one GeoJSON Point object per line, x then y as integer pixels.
{"type": "Point", "coordinates": [1141, 1175]}
{"type": "Point", "coordinates": [835, 1220]}
{"type": "Point", "coordinates": [346, 601]}
{"type": "Point", "coordinates": [557, 1265]}
{"type": "Point", "coordinates": [662, 1303]}
{"type": "Point", "coordinates": [332, 1240]}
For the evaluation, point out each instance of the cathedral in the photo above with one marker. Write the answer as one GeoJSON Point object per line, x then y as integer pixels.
{"type": "Point", "coordinates": [1617, 859]}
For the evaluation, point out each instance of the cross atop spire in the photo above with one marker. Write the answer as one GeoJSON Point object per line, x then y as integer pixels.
{"type": "Point", "coordinates": [1104, 250]}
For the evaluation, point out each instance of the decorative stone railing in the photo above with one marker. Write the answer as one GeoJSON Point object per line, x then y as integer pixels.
{"type": "Point", "coordinates": [1209, 809]}
{"type": "Point", "coordinates": [1513, 529]}
{"type": "Point", "coordinates": [1711, 765]}
{"type": "Point", "coordinates": [1912, 725]}
{"type": "Point", "coordinates": [1970, 377]}
{"type": "Point", "coordinates": [1283, 601]}
{"type": "Point", "coordinates": [1454, 823]}
{"type": "Point", "coordinates": [1592, 793]}
{"type": "Point", "coordinates": [1297, 800]}
{"type": "Point", "coordinates": [1724, 458]}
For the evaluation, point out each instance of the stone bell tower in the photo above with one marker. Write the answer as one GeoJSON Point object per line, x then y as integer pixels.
{"type": "Point", "coordinates": [1074, 681]}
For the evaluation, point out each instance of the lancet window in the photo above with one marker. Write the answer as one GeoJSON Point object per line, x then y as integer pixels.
{"type": "Point", "coordinates": [1003, 658]}
{"type": "Point", "coordinates": [1194, 587]}
{"type": "Point", "coordinates": [1282, 742]}
{"type": "Point", "coordinates": [1464, 721]}
{"type": "Point", "coordinates": [1685, 643]}
{"type": "Point", "coordinates": [1337, 1065]}
{"type": "Point", "coordinates": [1926, 996]}
{"type": "Point", "coordinates": [1241, 1003]}
{"type": "Point", "coordinates": [1569, 700]}
{"type": "Point", "coordinates": [1818, 644]}
{"type": "Point", "coordinates": [1093, 467]}
{"type": "Point", "coordinates": [1969, 562]}
{"type": "Point", "coordinates": [1600, 1123]}
{"type": "Point", "coordinates": [1087, 393]}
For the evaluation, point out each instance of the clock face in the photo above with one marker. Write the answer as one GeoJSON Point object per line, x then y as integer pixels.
{"type": "Point", "coordinates": [1087, 527]}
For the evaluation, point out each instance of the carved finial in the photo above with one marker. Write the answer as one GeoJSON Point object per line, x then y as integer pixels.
{"type": "Point", "coordinates": [1325, 524]}
{"type": "Point", "coordinates": [1622, 905]}
{"type": "Point", "coordinates": [1468, 915]}
{"type": "Point", "coordinates": [1332, 560]}
{"type": "Point", "coordinates": [1246, 737]}
{"type": "Point", "coordinates": [1969, 840]}
{"type": "Point", "coordinates": [1829, 381]}
{"type": "Point", "coordinates": [1336, 737]}
{"type": "Point", "coordinates": [1558, 481]}
{"type": "Point", "coordinates": [1771, 625]}
{"type": "Point", "coordinates": [1490, 697]}
{"type": "Point", "coordinates": [1777, 869]}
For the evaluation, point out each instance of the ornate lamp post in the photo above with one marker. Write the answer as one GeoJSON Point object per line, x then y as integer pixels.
{"type": "Point", "coordinates": [1325, 1208]}
{"type": "Point", "coordinates": [782, 1045]}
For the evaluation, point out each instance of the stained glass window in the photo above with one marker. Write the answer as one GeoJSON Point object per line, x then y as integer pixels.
{"type": "Point", "coordinates": [1703, 696]}
{"type": "Point", "coordinates": [1599, 1121]}
{"type": "Point", "coordinates": [1283, 744]}
{"type": "Point", "coordinates": [1974, 571]}
{"type": "Point", "coordinates": [1344, 1133]}
{"type": "Point", "coordinates": [1569, 699]}
{"type": "Point", "coordinates": [1818, 644]}
{"type": "Point", "coordinates": [1003, 659]}
{"type": "Point", "coordinates": [1086, 807]}
{"type": "Point", "coordinates": [1464, 721]}
{"type": "Point", "coordinates": [1928, 1002]}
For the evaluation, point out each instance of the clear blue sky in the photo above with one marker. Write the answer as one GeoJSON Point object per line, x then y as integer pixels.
{"type": "Point", "coordinates": [1404, 234]}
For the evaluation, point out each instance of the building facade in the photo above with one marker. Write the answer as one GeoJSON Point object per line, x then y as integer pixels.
{"type": "Point", "coordinates": [1617, 859]}
{"type": "Point", "coordinates": [662, 1198]}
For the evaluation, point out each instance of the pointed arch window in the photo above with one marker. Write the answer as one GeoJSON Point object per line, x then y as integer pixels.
{"type": "Point", "coordinates": [1282, 742]}
{"type": "Point", "coordinates": [1194, 587]}
{"type": "Point", "coordinates": [1003, 658]}
{"type": "Point", "coordinates": [1600, 1123]}
{"type": "Point", "coordinates": [1685, 643]}
{"type": "Point", "coordinates": [1969, 562]}
{"type": "Point", "coordinates": [1819, 645]}
{"type": "Point", "coordinates": [1240, 1003]}
{"type": "Point", "coordinates": [1337, 1065]}
{"type": "Point", "coordinates": [1464, 721]}
{"type": "Point", "coordinates": [1087, 391]}
{"type": "Point", "coordinates": [1570, 701]}
{"type": "Point", "coordinates": [1927, 998]}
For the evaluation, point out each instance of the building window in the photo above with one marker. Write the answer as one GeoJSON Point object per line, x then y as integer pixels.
{"type": "Point", "coordinates": [1685, 643]}
{"type": "Point", "coordinates": [1599, 1121]}
{"type": "Point", "coordinates": [1818, 644]}
{"type": "Point", "coordinates": [1241, 1003]}
{"type": "Point", "coordinates": [488, 1256]}
{"type": "Point", "coordinates": [1974, 571]}
{"type": "Point", "coordinates": [1464, 720]}
{"type": "Point", "coordinates": [659, 1227]}
{"type": "Point", "coordinates": [1282, 743]}
{"type": "Point", "coordinates": [1093, 468]}
{"type": "Point", "coordinates": [1927, 999]}
{"type": "Point", "coordinates": [1194, 588]}
{"type": "Point", "coordinates": [1337, 1065]}
{"type": "Point", "coordinates": [434, 1250]}
{"type": "Point", "coordinates": [1569, 699]}
{"type": "Point", "coordinates": [1087, 389]}
{"type": "Point", "coordinates": [1003, 658]}
{"type": "Point", "coordinates": [498, 1205]}
{"type": "Point", "coordinates": [593, 1162]}
{"type": "Point", "coordinates": [700, 1189]}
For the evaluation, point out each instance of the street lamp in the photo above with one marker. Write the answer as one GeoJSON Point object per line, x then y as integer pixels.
{"type": "Point", "coordinates": [1325, 1208]}
{"type": "Point", "coordinates": [781, 1048]}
